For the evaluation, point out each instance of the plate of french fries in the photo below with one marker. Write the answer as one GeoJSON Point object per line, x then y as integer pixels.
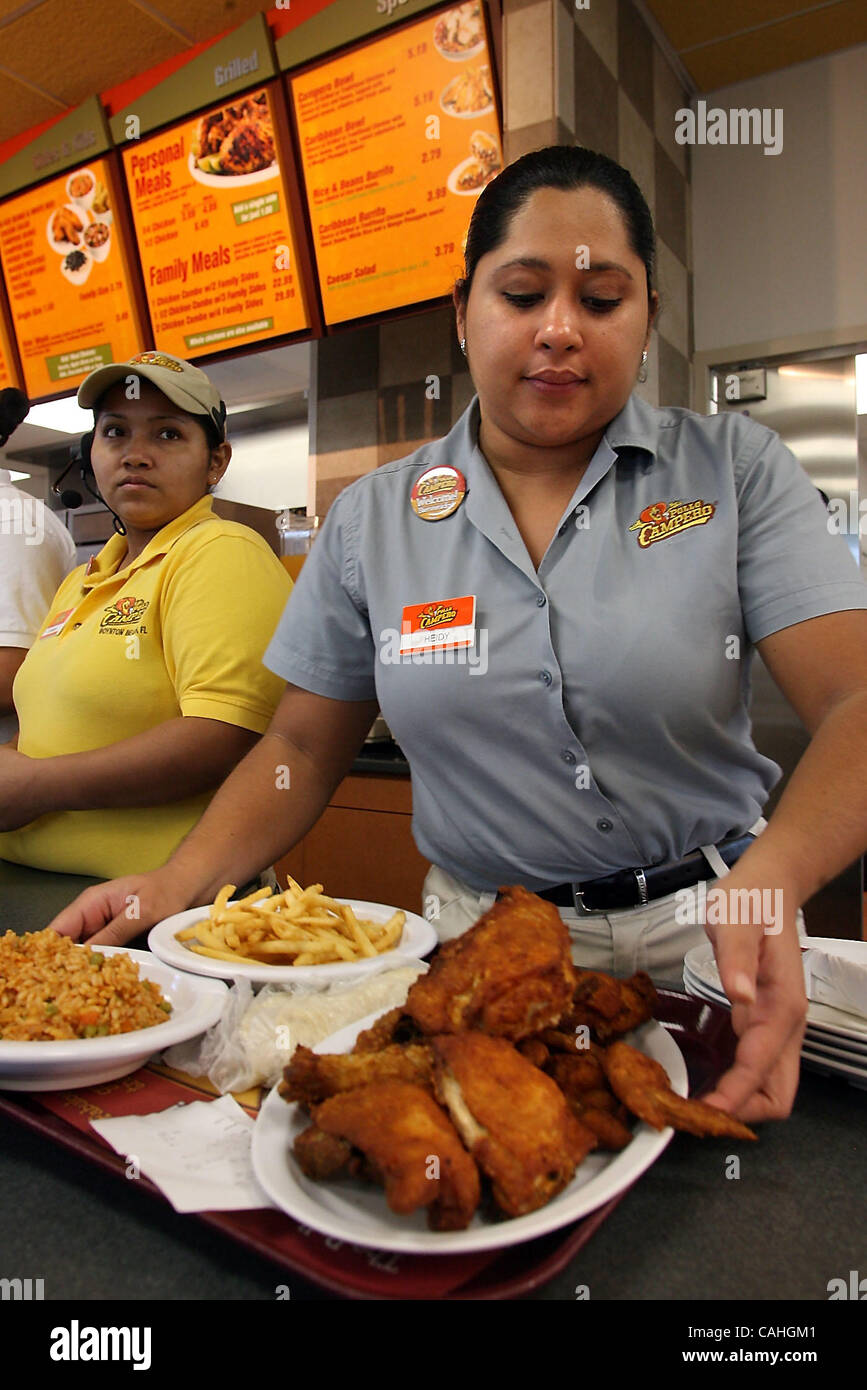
{"type": "Point", "coordinates": [301, 933]}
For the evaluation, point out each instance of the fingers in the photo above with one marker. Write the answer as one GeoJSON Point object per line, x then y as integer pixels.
{"type": "Point", "coordinates": [116, 932]}
{"type": "Point", "coordinates": [763, 1082]}
{"type": "Point", "coordinates": [106, 905]}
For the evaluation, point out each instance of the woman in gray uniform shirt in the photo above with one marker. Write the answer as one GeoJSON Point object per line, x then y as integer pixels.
{"type": "Point", "coordinates": [613, 567]}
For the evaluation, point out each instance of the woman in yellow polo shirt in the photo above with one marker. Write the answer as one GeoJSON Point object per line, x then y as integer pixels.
{"type": "Point", "coordinates": [145, 686]}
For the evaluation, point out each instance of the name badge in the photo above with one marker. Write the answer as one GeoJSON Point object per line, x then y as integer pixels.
{"type": "Point", "coordinates": [55, 625]}
{"type": "Point", "coordinates": [442, 624]}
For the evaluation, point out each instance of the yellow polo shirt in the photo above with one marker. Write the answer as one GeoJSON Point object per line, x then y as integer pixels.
{"type": "Point", "coordinates": [179, 631]}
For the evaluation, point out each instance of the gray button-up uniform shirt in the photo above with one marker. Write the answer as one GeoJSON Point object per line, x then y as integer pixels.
{"type": "Point", "coordinates": [600, 722]}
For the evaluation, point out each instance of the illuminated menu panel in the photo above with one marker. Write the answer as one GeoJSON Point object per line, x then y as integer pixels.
{"type": "Point", "coordinates": [214, 232]}
{"type": "Point", "coordinates": [397, 140]}
{"type": "Point", "coordinates": [68, 279]}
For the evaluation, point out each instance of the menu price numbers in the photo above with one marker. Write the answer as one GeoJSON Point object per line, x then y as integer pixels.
{"type": "Point", "coordinates": [288, 293]}
{"type": "Point", "coordinates": [188, 212]}
{"type": "Point", "coordinates": [447, 248]}
{"type": "Point", "coordinates": [209, 203]}
{"type": "Point", "coordinates": [423, 98]}
{"type": "Point", "coordinates": [416, 49]}
{"type": "Point", "coordinates": [201, 224]}
{"type": "Point", "coordinates": [121, 316]}
{"type": "Point", "coordinates": [115, 286]}
{"type": "Point", "coordinates": [434, 193]}
{"type": "Point", "coordinates": [428, 156]}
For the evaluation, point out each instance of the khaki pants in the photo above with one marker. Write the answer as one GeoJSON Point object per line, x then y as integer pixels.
{"type": "Point", "coordinates": [637, 938]}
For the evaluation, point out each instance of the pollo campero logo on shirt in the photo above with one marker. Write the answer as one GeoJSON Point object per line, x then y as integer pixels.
{"type": "Point", "coordinates": [663, 519]}
{"type": "Point", "coordinates": [123, 614]}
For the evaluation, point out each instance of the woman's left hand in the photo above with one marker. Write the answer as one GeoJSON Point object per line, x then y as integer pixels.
{"type": "Point", "coordinates": [759, 958]}
{"type": "Point", "coordinates": [20, 799]}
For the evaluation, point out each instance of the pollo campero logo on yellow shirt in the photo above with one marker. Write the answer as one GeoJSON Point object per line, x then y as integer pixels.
{"type": "Point", "coordinates": [663, 519]}
{"type": "Point", "coordinates": [121, 615]}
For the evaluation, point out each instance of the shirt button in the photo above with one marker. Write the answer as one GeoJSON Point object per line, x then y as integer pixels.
{"type": "Point", "coordinates": [567, 755]}
{"type": "Point", "coordinates": [75, 625]}
{"type": "Point", "coordinates": [545, 677]}
{"type": "Point", "coordinates": [604, 825]}
{"type": "Point", "coordinates": [564, 528]}
{"type": "Point", "coordinates": [541, 600]}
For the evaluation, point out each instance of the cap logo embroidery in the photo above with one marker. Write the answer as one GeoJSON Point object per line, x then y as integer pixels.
{"type": "Point", "coordinates": [663, 519]}
{"type": "Point", "coordinates": [157, 359]}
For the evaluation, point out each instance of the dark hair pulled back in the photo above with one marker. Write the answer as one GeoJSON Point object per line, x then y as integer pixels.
{"type": "Point", "coordinates": [564, 167]}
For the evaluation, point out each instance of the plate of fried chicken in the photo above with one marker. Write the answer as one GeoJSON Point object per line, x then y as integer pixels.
{"type": "Point", "coordinates": [235, 142]}
{"type": "Point", "coordinates": [497, 1104]}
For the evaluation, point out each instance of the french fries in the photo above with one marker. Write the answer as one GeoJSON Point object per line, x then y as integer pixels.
{"type": "Point", "coordinates": [302, 926]}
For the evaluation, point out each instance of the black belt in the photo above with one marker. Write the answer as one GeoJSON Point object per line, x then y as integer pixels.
{"type": "Point", "coordinates": [634, 887]}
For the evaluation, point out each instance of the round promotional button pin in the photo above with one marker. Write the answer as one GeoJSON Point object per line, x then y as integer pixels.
{"type": "Point", "coordinates": [438, 492]}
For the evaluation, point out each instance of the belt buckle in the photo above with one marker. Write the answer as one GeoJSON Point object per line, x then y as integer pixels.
{"type": "Point", "coordinates": [578, 902]}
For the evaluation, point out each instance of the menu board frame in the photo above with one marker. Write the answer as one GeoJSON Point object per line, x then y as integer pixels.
{"type": "Point", "coordinates": [290, 171]}
{"type": "Point", "coordinates": [492, 17]}
{"type": "Point", "coordinates": [121, 216]}
{"type": "Point", "coordinates": [9, 342]}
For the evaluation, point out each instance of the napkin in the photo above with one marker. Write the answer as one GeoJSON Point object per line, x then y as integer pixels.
{"type": "Point", "coordinates": [198, 1154]}
{"type": "Point", "coordinates": [836, 981]}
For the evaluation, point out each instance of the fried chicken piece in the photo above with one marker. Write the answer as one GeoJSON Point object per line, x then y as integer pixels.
{"type": "Point", "coordinates": [65, 226]}
{"type": "Point", "coordinates": [211, 132]}
{"type": "Point", "coordinates": [610, 1130]}
{"type": "Point", "coordinates": [576, 1073]}
{"type": "Point", "coordinates": [321, 1155]}
{"type": "Point", "coordinates": [513, 1118]}
{"type": "Point", "coordinates": [608, 1006]}
{"type": "Point", "coordinates": [414, 1146]}
{"type": "Point", "coordinates": [509, 975]}
{"type": "Point", "coordinates": [644, 1088]}
{"type": "Point", "coordinates": [392, 1027]}
{"type": "Point", "coordinates": [312, 1076]}
{"type": "Point", "coordinates": [534, 1051]}
{"type": "Point", "coordinates": [248, 146]}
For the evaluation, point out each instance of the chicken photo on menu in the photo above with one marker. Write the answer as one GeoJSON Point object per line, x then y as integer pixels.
{"type": "Point", "coordinates": [214, 231]}
{"type": "Point", "coordinates": [396, 137]}
{"type": "Point", "coordinates": [67, 277]}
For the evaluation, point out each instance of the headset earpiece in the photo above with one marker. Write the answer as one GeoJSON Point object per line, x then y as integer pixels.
{"type": "Point", "coordinates": [84, 449]}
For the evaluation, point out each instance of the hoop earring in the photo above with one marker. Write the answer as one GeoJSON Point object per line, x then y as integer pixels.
{"type": "Point", "coordinates": [642, 373]}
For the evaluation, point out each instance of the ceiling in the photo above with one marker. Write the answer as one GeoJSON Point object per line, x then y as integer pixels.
{"type": "Point", "coordinates": [718, 43]}
{"type": "Point", "coordinates": [51, 59]}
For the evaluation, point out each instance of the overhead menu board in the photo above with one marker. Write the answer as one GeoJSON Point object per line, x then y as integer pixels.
{"type": "Point", "coordinates": [215, 238]}
{"type": "Point", "coordinates": [397, 139]}
{"type": "Point", "coordinates": [68, 278]}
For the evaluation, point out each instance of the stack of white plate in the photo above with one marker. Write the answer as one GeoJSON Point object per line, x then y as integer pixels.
{"type": "Point", "coordinates": [835, 1042]}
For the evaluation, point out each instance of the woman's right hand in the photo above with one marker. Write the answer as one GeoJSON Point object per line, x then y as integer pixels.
{"type": "Point", "coordinates": [110, 914]}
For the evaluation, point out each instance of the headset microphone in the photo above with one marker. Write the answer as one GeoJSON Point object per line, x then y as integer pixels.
{"type": "Point", "coordinates": [71, 497]}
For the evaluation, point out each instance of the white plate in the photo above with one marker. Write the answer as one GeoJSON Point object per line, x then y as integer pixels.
{"type": "Point", "coordinates": [55, 1066]}
{"type": "Point", "coordinates": [231, 181]}
{"type": "Point", "coordinates": [701, 977]}
{"type": "Point", "coordinates": [418, 938]}
{"type": "Point", "coordinates": [352, 1210]}
{"type": "Point", "coordinates": [462, 115]}
{"type": "Point", "coordinates": [463, 54]}
{"type": "Point", "coordinates": [856, 1076]}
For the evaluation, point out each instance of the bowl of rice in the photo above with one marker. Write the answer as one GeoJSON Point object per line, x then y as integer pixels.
{"type": "Point", "coordinates": [77, 1015]}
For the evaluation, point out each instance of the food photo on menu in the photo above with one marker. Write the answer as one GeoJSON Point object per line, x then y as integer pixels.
{"type": "Point", "coordinates": [411, 889]}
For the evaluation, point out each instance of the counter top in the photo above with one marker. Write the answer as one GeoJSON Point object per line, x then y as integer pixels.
{"type": "Point", "coordinates": [687, 1230]}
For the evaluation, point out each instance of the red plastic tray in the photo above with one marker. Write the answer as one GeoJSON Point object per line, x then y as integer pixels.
{"type": "Point", "coordinates": [702, 1031]}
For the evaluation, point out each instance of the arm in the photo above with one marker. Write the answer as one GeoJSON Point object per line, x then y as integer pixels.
{"type": "Point", "coordinates": [170, 762]}
{"type": "Point", "coordinates": [818, 828]}
{"type": "Point", "coordinates": [258, 815]}
{"type": "Point", "coordinates": [10, 659]}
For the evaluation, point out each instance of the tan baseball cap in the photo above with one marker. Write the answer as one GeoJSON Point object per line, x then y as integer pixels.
{"type": "Point", "coordinates": [185, 385]}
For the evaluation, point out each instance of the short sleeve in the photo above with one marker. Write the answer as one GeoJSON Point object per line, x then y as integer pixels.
{"type": "Point", "coordinates": [791, 564]}
{"type": "Point", "coordinates": [218, 611]}
{"type": "Point", "coordinates": [323, 641]}
{"type": "Point", "coordinates": [30, 574]}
